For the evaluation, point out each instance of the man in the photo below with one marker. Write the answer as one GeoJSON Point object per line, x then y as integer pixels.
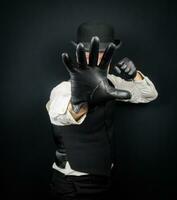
{"type": "Point", "coordinates": [79, 111]}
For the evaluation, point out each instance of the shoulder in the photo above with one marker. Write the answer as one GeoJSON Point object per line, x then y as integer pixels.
{"type": "Point", "coordinates": [63, 87]}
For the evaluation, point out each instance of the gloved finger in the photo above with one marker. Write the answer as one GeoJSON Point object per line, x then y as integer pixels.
{"type": "Point", "coordinates": [120, 94]}
{"type": "Point", "coordinates": [117, 69]}
{"type": "Point", "coordinates": [131, 65]}
{"type": "Point", "coordinates": [124, 66]}
{"type": "Point", "coordinates": [131, 72]}
{"type": "Point", "coordinates": [121, 62]}
{"type": "Point", "coordinates": [107, 56]}
{"type": "Point", "coordinates": [94, 49]}
{"type": "Point", "coordinates": [124, 60]}
{"type": "Point", "coordinates": [127, 69]}
{"type": "Point", "coordinates": [68, 62]}
{"type": "Point", "coordinates": [80, 54]}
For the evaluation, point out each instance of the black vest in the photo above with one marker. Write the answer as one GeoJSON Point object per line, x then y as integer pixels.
{"type": "Point", "coordinates": [88, 145]}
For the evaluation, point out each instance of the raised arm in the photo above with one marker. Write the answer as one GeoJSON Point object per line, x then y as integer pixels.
{"type": "Point", "coordinates": [139, 85]}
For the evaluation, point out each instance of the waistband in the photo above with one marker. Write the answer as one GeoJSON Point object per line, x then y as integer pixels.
{"type": "Point", "coordinates": [93, 177]}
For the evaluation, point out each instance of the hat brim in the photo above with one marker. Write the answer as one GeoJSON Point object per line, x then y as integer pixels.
{"type": "Point", "coordinates": [102, 46]}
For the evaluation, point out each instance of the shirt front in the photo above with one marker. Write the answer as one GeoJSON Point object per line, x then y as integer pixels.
{"type": "Point", "coordinates": [143, 91]}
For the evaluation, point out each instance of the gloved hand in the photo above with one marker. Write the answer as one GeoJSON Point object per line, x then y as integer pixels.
{"type": "Point", "coordinates": [126, 69]}
{"type": "Point", "coordinates": [89, 83]}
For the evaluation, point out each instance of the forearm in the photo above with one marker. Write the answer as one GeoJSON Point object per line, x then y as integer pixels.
{"type": "Point", "coordinates": [143, 90]}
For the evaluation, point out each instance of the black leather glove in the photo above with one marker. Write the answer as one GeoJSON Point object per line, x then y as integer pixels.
{"type": "Point", "coordinates": [89, 83]}
{"type": "Point", "coordinates": [126, 69]}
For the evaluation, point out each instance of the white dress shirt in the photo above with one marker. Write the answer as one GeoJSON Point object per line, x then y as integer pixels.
{"type": "Point", "coordinates": [143, 91]}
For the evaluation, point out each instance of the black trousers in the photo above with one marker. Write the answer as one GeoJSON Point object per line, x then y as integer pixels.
{"type": "Point", "coordinates": [85, 187]}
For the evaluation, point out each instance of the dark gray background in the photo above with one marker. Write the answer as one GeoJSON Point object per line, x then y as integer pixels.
{"type": "Point", "coordinates": [33, 35]}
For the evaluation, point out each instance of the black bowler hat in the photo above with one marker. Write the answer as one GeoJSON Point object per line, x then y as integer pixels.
{"type": "Point", "coordinates": [104, 31]}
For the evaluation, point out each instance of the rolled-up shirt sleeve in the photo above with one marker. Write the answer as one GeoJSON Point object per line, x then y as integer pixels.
{"type": "Point", "coordinates": [57, 106]}
{"type": "Point", "coordinates": [142, 91]}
